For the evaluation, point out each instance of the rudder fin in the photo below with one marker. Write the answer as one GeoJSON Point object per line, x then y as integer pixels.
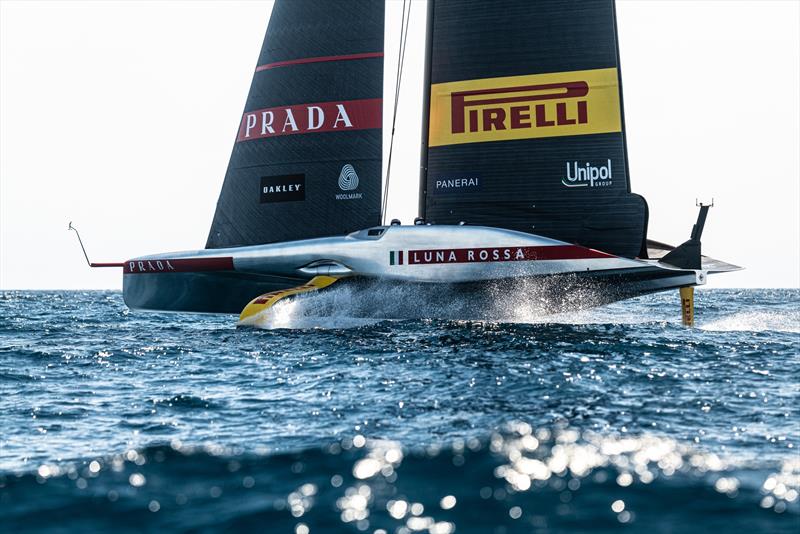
{"type": "Point", "coordinates": [688, 255]}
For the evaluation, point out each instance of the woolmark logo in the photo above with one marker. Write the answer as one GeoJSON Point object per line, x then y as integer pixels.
{"type": "Point", "coordinates": [348, 181]}
{"type": "Point", "coordinates": [587, 175]}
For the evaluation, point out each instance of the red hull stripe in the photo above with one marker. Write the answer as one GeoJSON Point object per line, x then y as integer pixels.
{"type": "Point", "coordinates": [502, 254]}
{"type": "Point", "coordinates": [320, 59]}
{"type": "Point", "coordinates": [178, 265]}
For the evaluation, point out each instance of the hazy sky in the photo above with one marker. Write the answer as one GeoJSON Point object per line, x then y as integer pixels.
{"type": "Point", "coordinates": [121, 117]}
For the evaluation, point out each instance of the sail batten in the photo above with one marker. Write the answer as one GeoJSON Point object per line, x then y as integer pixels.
{"type": "Point", "coordinates": [322, 59]}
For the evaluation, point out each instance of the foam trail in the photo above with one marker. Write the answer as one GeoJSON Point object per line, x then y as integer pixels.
{"type": "Point", "coordinates": [757, 321]}
{"type": "Point", "coordinates": [523, 301]}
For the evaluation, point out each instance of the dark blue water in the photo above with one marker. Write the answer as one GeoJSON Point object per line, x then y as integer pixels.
{"type": "Point", "coordinates": [612, 418]}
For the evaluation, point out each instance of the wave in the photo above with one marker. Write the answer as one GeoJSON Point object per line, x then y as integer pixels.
{"type": "Point", "coordinates": [359, 303]}
{"type": "Point", "coordinates": [520, 479]}
{"type": "Point", "coordinates": [552, 301]}
{"type": "Point", "coordinates": [757, 321]}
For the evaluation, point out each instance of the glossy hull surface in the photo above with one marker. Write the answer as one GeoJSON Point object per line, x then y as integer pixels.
{"type": "Point", "coordinates": [472, 258]}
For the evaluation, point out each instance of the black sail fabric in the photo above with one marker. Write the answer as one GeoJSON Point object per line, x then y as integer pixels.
{"type": "Point", "coordinates": [307, 157]}
{"type": "Point", "coordinates": [525, 125]}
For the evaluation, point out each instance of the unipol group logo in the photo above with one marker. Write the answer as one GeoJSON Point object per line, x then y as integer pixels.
{"type": "Point", "coordinates": [520, 107]}
{"type": "Point", "coordinates": [348, 181]}
{"type": "Point", "coordinates": [587, 175]}
{"type": "Point", "coordinates": [311, 118]}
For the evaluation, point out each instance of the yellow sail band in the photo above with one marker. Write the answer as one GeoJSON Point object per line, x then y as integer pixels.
{"type": "Point", "coordinates": [522, 107]}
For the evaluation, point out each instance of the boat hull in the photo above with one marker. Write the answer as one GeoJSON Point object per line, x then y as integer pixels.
{"type": "Point", "coordinates": [471, 259]}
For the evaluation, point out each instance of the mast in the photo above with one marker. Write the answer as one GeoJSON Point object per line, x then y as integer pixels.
{"type": "Point", "coordinates": [426, 109]}
{"type": "Point", "coordinates": [643, 254]}
{"type": "Point", "coordinates": [621, 98]}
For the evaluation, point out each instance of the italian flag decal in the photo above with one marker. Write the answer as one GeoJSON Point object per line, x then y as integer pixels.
{"type": "Point", "coordinates": [395, 257]}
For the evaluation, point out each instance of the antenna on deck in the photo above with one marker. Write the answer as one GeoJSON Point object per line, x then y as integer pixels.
{"type": "Point", "coordinates": [70, 227]}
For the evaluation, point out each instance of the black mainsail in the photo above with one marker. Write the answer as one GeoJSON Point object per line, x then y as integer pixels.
{"type": "Point", "coordinates": [525, 128]}
{"type": "Point", "coordinates": [307, 157]}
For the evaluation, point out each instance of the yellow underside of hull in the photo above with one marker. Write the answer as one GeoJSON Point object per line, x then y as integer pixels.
{"type": "Point", "coordinates": [267, 300]}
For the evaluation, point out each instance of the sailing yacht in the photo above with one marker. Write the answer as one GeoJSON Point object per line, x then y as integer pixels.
{"type": "Point", "coordinates": [523, 169]}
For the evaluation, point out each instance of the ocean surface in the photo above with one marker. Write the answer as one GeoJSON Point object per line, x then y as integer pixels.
{"type": "Point", "coordinates": [323, 420]}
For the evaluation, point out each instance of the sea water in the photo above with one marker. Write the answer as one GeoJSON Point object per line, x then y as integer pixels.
{"type": "Point", "coordinates": [326, 420]}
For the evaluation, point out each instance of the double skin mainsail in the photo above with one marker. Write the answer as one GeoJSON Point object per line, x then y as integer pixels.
{"type": "Point", "coordinates": [314, 111]}
{"type": "Point", "coordinates": [525, 128]}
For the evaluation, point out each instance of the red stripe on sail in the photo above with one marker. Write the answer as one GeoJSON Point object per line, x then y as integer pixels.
{"type": "Point", "coordinates": [337, 116]}
{"type": "Point", "coordinates": [320, 59]}
{"type": "Point", "coordinates": [178, 265]}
